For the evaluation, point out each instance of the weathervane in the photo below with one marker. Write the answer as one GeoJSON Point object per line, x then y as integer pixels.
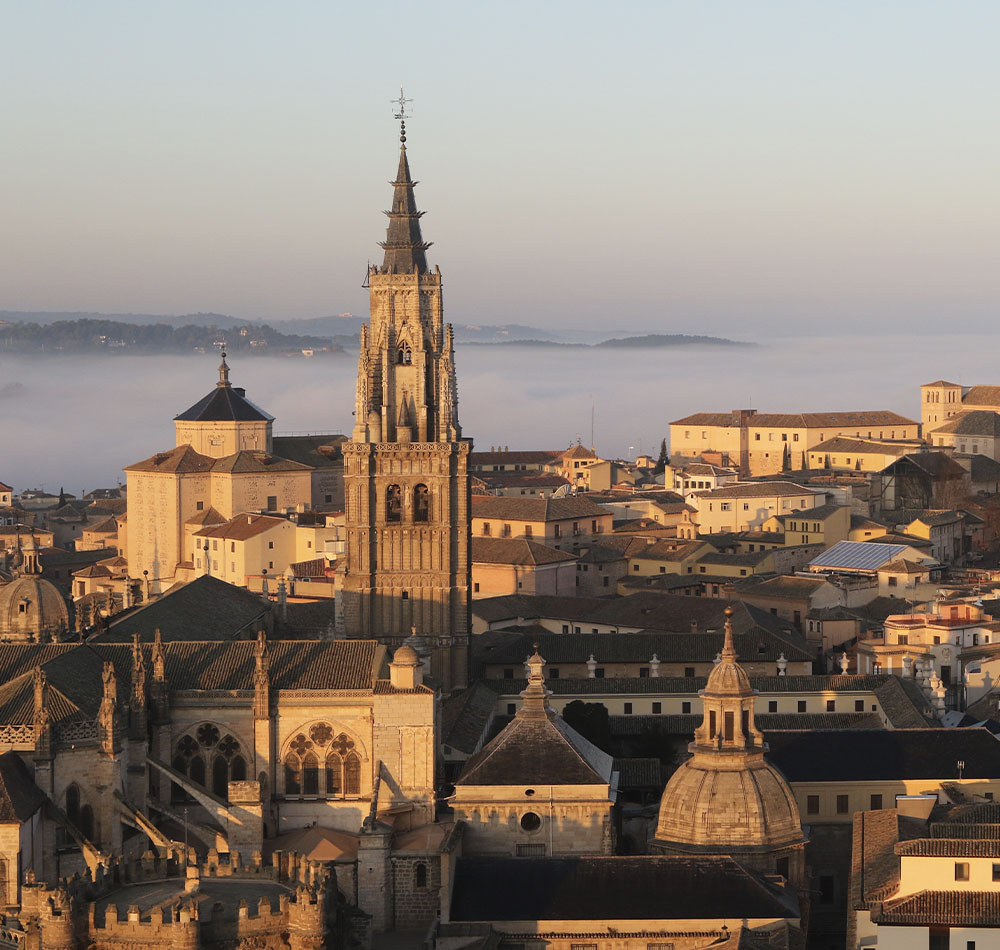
{"type": "Point", "coordinates": [400, 103]}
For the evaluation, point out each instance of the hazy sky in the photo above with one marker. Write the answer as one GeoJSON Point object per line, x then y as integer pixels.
{"type": "Point", "coordinates": [699, 166]}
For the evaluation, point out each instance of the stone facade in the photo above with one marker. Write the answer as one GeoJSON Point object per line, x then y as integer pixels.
{"type": "Point", "coordinates": [406, 478]}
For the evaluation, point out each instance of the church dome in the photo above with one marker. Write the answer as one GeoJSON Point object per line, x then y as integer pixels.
{"type": "Point", "coordinates": [728, 678]}
{"type": "Point", "coordinates": [725, 809]}
{"type": "Point", "coordinates": [727, 797]}
{"type": "Point", "coordinates": [31, 606]}
{"type": "Point", "coordinates": [406, 656]}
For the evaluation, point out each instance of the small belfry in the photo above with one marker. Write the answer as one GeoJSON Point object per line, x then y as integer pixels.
{"type": "Point", "coordinates": [406, 477]}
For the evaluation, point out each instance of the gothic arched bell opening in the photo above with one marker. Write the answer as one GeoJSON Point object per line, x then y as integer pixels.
{"type": "Point", "coordinates": [393, 503]}
{"type": "Point", "coordinates": [421, 503]}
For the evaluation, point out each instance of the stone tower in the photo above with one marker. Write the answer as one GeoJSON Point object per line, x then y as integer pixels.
{"type": "Point", "coordinates": [406, 477]}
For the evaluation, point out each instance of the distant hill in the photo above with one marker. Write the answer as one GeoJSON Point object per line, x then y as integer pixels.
{"type": "Point", "coordinates": [20, 331]}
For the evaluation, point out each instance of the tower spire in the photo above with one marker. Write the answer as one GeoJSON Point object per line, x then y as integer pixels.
{"type": "Point", "coordinates": [224, 371]}
{"type": "Point", "coordinates": [403, 245]}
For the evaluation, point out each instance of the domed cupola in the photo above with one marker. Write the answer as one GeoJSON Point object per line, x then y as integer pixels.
{"type": "Point", "coordinates": [726, 798]}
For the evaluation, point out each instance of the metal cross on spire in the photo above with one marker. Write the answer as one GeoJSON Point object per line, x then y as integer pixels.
{"type": "Point", "coordinates": [401, 103]}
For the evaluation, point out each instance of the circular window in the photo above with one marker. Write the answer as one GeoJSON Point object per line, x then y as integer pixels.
{"type": "Point", "coordinates": [529, 792]}
{"type": "Point", "coordinates": [530, 821]}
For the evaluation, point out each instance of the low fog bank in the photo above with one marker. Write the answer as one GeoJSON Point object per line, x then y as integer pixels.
{"type": "Point", "coordinates": [77, 422]}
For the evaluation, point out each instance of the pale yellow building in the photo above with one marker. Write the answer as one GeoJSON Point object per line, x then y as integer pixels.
{"type": "Point", "coordinates": [745, 505]}
{"type": "Point", "coordinates": [242, 549]}
{"type": "Point", "coordinates": [503, 566]}
{"type": "Point", "coordinates": [972, 432]}
{"type": "Point", "coordinates": [767, 443]}
{"type": "Point", "coordinates": [844, 454]}
{"type": "Point", "coordinates": [558, 522]}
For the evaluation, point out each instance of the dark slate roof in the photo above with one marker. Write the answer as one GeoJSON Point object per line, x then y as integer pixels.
{"type": "Point", "coordinates": [868, 682]}
{"type": "Point", "coordinates": [685, 724]}
{"type": "Point", "coordinates": [465, 716]}
{"type": "Point", "coordinates": [205, 609]}
{"type": "Point", "coordinates": [543, 751]}
{"type": "Point", "coordinates": [755, 644]}
{"type": "Point", "coordinates": [316, 451]}
{"type": "Point", "coordinates": [613, 888]}
{"type": "Point", "coordinates": [241, 463]}
{"type": "Point", "coordinates": [885, 755]}
{"type": "Point", "coordinates": [20, 797]}
{"type": "Point", "coordinates": [225, 403]}
{"type": "Point", "coordinates": [639, 773]}
{"type": "Point", "coordinates": [934, 464]}
{"type": "Point", "coordinates": [294, 664]}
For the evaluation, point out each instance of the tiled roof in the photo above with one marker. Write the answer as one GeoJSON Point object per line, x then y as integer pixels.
{"type": "Point", "coordinates": [985, 469]}
{"type": "Point", "coordinates": [685, 724]}
{"type": "Point", "coordinates": [516, 551]}
{"type": "Point", "coordinates": [885, 755]}
{"type": "Point", "coordinates": [613, 888]}
{"type": "Point", "coordinates": [180, 460]}
{"type": "Point", "coordinates": [934, 464]}
{"type": "Point", "coordinates": [785, 586]}
{"type": "Point", "coordinates": [241, 463]}
{"type": "Point", "coordinates": [535, 509]}
{"type": "Point", "coordinates": [521, 479]}
{"type": "Point", "coordinates": [976, 422]}
{"type": "Point", "coordinates": [950, 848]}
{"type": "Point", "coordinates": [206, 517]}
{"type": "Point", "coordinates": [939, 382]}
{"type": "Point", "coordinates": [967, 909]}
{"type": "Point", "coordinates": [800, 420]}
{"type": "Point", "coordinates": [758, 490]}
{"type": "Point", "coordinates": [241, 528]}
{"type": "Point", "coordinates": [541, 457]}
{"type": "Point", "coordinates": [982, 396]}
{"type": "Point", "coordinates": [903, 566]}
{"type": "Point", "coordinates": [639, 773]}
{"type": "Point", "coordinates": [842, 443]}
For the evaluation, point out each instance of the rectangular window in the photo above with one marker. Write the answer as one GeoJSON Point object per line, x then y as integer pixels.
{"type": "Point", "coordinates": [505, 531]}
{"type": "Point", "coordinates": [643, 672]}
{"type": "Point", "coordinates": [876, 802]}
{"type": "Point", "coordinates": [511, 709]}
{"type": "Point", "coordinates": [232, 547]}
{"type": "Point", "coordinates": [599, 673]}
{"type": "Point", "coordinates": [689, 671]}
{"type": "Point", "coordinates": [565, 628]}
{"type": "Point", "coordinates": [201, 506]}
{"type": "Point", "coordinates": [686, 708]}
{"type": "Point", "coordinates": [859, 705]}
{"type": "Point", "coordinates": [628, 709]}
{"type": "Point", "coordinates": [508, 674]}
{"type": "Point", "coordinates": [270, 544]}
{"type": "Point", "coordinates": [531, 850]}
{"type": "Point", "coordinates": [729, 727]}
{"type": "Point", "coordinates": [554, 673]}
{"type": "Point", "coordinates": [961, 870]}
{"type": "Point", "coordinates": [486, 529]}
{"type": "Point", "coordinates": [527, 531]}
{"type": "Point", "coordinates": [772, 705]}
{"type": "Point", "coordinates": [842, 805]}
{"type": "Point", "coordinates": [996, 872]}
{"type": "Point", "coordinates": [272, 502]}
{"type": "Point", "coordinates": [557, 531]}
{"type": "Point", "coordinates": [802, 705]}
{"type": "Point", "coordinates": [657, 708]}
{"type": "Point", "coordinates": [812, 804]}
{"type": "Point", "coordinates": [831, 705]}
{"type": "Point", "coordinates": [475, 587]}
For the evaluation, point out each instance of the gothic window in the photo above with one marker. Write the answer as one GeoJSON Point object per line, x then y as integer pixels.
{"type": "Point", "coordinates": [421, 875]}
{"type": "Point", "coordinates": [393, 503]}
{"type": "Point", "coordinates": [334, 773]}
{"type": "Point", "coordinates": [196, 769]}
{"type": "Point", "coordinates": [87, 822]}
{"type": "Point", "coordinates": [73, 804]}
{"type": "Point", "coordinates": [310, 775]}
{"type": "Point", "coordinates": [238, 769]}
{"type": "Point", "coordinates": [404, 356]}
{"type": "Point", "coordinates": [421, 503]}
{"type": "Point", "coordinates": [352, 774]}
{"type": "Point", "coordinates": [293, 775]}
{"type": "Point", "coordinates": [220, 777]}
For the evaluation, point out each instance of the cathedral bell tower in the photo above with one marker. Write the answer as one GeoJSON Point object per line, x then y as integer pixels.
{"type": "Point", "coordinates": [406, 477]}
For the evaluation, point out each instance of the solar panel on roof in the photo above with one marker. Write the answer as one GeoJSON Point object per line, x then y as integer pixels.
{"type": "Point", "coordinates": [858, 555]}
